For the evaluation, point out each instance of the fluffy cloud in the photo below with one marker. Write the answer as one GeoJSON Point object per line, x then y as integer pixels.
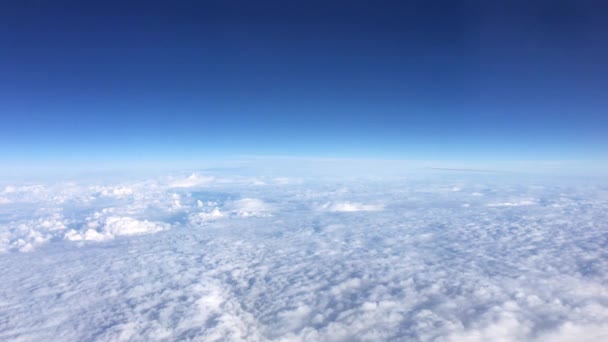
{"type": "Point", "coordinates": [203, 217]}
{"type": "Point", "coordinates": [113, 226]}
{"type": "Point", "coordinates": [26, 235]}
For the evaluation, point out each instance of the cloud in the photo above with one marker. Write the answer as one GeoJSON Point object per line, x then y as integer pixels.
{"type": "Point", "coordinates": [119, 191]}
{"type": "Point", "coordinates": [193, 180]}
{"type": "Point", "coordinates": [26, 235]}
{"type": "Point", "coordinates": [287, 181]}
{"type": "Point", "coordinates": [113, 226]}
{"type": "Point", "coordinates": [240, 261]}
{"type": "Point", "coordinates": [206, 216]}
{"type": "Point", "coordinates": [349, 207]}
{"type": "Point", "coordinates": [516, 203]}
{"type": "Point", "coordinates": [246, 207]}
{"type": "Point", "coordinates": [251, 207]}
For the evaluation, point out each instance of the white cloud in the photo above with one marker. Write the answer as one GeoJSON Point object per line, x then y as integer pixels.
{"type": "Point", "coordinates": [251, 207]}
{"type": "Point", "coordinates": [287, 181]}
{"type": "Point", "coordinates": [274, 263]}
{"type": "Point", "coordinates": [9, 189]}
{"type": "Point", "coordinates": [193, 180]}
{"type": "Point", "coordinates": [349, 207]}
{"type": "Point", "coordinates": [129, 226]}
{"type": "Point", "coordinates": [516, 203]}
{"type": "Point", "coordinates": [26, 235]}
{"type": "Point", "coordinates": [570, 332]}
{"type": "Point", "coordinates": [206, 216]}
{"type": "Point", "coordinates": [112, 226]}
{"type": "Point", "coordinates": [119, 191]}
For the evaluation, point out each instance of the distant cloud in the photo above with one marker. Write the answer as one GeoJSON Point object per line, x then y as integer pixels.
{"type": "Point", "coordinates": [287, 181]}
{"type": "Point", "coordinates": [349, 207]}
{"type": "Point", "coordinates": [119, 191]}
{"type": "Point", "coordinates": [516, 203]}
{"type": "Point", "coordinates": [113, 226]}
{"type": "Point", "coordinates": [251, 207]}
{"type": "Point", "coordinates": [191, 181]}
{"type": "Point", "coordinates": [205, 216]}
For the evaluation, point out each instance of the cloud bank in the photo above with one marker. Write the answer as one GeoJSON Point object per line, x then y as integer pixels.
{"type": "Point", "coordinates": [253, 259]}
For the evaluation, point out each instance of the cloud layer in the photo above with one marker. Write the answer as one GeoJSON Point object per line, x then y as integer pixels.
{"type": "Point", "coordinates": [202, 258]}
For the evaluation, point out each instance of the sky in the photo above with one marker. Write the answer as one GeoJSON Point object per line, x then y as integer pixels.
{"type": "Point", "coordinates": [406, 80]}
{"type": "Point", "coordinates": [303, 170]}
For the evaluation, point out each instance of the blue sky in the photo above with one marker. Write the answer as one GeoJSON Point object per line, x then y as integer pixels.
{"type": "Point", "coordinates": [458, 81]}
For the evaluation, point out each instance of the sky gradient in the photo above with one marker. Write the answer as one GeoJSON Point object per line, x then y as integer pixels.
{"type": "Point", "coordinates": [439, 80]}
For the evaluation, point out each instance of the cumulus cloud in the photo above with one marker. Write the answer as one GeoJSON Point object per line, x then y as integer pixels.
{"type": "Point", "coordinates": [203, 217]}
{"type": "Point", "coordinates": [26, 235]}
{"type": "Point", "coordinates": [246, 207]}
{"type": "Point", "coordinates": [113, 226]}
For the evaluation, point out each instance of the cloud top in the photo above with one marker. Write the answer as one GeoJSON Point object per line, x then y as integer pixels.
{"type": "Point", "coordinates": [325, 260]}
{"type": "Point", "coordinates": [349, 207]}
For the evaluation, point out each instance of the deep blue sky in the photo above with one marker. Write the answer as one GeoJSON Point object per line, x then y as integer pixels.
{"type": "Point", "coordinates": [452, 80]}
